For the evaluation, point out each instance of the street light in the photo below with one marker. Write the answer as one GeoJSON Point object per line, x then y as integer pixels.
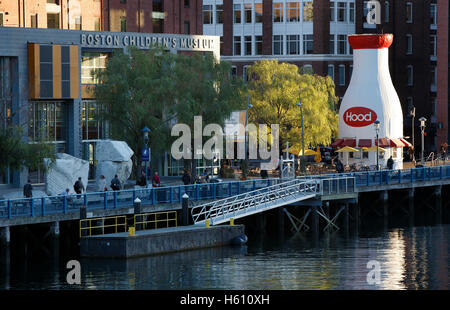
{"type": "Point", "coordinates": [422, 121]}
{"type": "Point", "coordinates": [377, 129]}
{"type": "Point", "coordinates": [299, 104]}
{"type": "Point", "coordinates": [145, 132]}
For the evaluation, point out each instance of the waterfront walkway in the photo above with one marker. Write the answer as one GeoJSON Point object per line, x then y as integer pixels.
{"type": "Point", "coordinates": [59, 208]}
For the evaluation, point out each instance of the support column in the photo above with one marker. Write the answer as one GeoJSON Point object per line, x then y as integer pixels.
{"type": "Point", "coordinates": [356, 216]}
{"type": "Point", "coordinates": [345, 215]}
{"type": "Point", "coordinates": [5, 267]}
{"type": "Point", "coordinates": [411, 206]}
{"type": "Point", "coordinates": [54, 229]}
{"type": "Point", "coordinates": [314, 220]}
{"type": "Point", "coordinates": [5, 236]}
{"type": "Point", "coordinates": [438, 203]}
{"type": "Point", "coordinates": [384, 196]}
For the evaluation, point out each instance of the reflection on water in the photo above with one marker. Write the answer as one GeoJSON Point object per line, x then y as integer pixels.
{"type": "Point", "coordinates": [409, 258]}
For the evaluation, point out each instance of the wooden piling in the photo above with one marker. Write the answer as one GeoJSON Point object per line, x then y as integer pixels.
{"type": "Point", "coordinates": [314, 220]}
{"type": "Point", "coordinates": [345, 218]}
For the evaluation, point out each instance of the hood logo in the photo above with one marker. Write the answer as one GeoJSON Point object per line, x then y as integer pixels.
{"type": "Point", "coordinates": [359, 117]}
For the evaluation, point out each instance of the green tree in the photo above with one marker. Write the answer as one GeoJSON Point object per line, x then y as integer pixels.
{"type": "Point", "coordinates": [157, 89]}
{"type": "Point", "coordinates": [274, 92]}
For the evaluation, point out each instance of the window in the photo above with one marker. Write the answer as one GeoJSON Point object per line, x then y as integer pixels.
{"type": "Point", "coordinates": [351, 72]}
{"type": "Point", "coordinates": [410, 75]}
{"type": "Point", "coordinates": [409, 12]}
{"type": "Point", "coordinates": [96, 23]}
{"type": "Point", "coordinates": [158, 16]}
{"type": "Point", "coordinates": [342, 44]}
{"type": "Point", "coordinates": [245, 74]}
{"type": "Point", "coordinates": [187, 27]}
{"type": "Point", "coordinates": [386, 11]}
{"type": "Point", "coordinates": [221, 45]}
{"type": "Point", "coordinates": [123, 23]}
{"type": "Point", "coordinates": [293, 44]}
{"type": "Point", "coordinates": [186, 3]}
{"type": "Point", "coordinates": [33, 20]}
{"type": "Point", "coordinates": [207, 14]}
{"type": "Point", "coordinates": [91, 125]}
{"type": "Point", "coordinates": [433, 78]}
{"type": "Point", "coordinates": [258, 45]}
{"type": "Point", "coordinates": [237, 46]}
{"type": "Point", "coordinates": [409, 46]}
{"type": "Point", "coordinates": [233, 71]}
{"type": "Point", "coordinates": [123, 1]}
{"type": "Point", "coordinates": [47, 121]}
{"type": "Point", "coordinates": [433, 14]}
{"type": "Point", "coordinates": [89, 63]}
{"type": "Point", "coordinates": [433, 45]}
{"type": "Point", "coordinates": [52, 21]}
{"type": "Point", "coordinates": [331, 71]}
{"type": "Point", "coordinates": [278, 45]}
{"type": "Point", "coordinates": [247, 45]}
{"type": "Point", "coordinates": [307, 69]}
{"type": "Point", "coordinates": [157, 6]}
{"type": "Point", "coordinates": [219, 14]}
{"type": "Point", "coordinates": [332, 11]}
{"type": "Point", "coordinates": [308, 11]}
{"type": "Point", "coordinates": [258, 12]}
{"type": "Point", "coordinates": [351, 12]}
{"type": "Point", "coordinates": [308, 43]}
{"type": "Point", "coordinates": [332, 39]}
{"type": "Point", "coordinates": [77, 22]}
{"type": "Point", "coordinates": [278, 13]}
{"type": "Point", "coordinates": [237, 14]}
{"type": "Point", "coordinates": [342, 75]}
{"type": "Point", "coordinates": [248, 13]}
{"type": "Point", "coordinates": [293, 11]}
{"type": "Point", "coordinates": [342, 12]}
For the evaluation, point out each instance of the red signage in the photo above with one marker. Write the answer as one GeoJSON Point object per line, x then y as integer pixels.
{"type": "Point", "coordinates": [359, 117]}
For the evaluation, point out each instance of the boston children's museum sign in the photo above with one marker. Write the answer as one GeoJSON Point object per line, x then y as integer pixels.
{"type": "Point", "coordinates": [167, 41]}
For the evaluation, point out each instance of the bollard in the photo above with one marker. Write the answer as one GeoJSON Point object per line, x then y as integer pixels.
{"type": "Point", "coordinates": [137, 206]}
{"type": "Point", "coordinates": [231, 221]}
{"type": "Point", "coordinates": [207, 223]}
{"type": "Point", "coordinates": [185, 210]}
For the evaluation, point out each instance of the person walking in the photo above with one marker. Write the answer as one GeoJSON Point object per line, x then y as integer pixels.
{"type": "Point", "coordinates": [390, 163]}
{"type": "Point", "coordinates": [102, 184]}
{"type": "Point", "coordinates": [156, 181]}
{"type": "Point", "coordinates": [186, 178]}
{"type": "Point", "coordinates": [28, 190]}
{"type": "Point", "coordinates": [79, 187]}
{"type": "Point", "coordinates": [115, 183]}
{"type": "Point", "coordinates": [142, 179]}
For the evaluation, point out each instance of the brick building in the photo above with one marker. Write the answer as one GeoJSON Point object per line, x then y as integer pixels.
{"type": "Point", "coordinates": [313, 35]}
{"type": "Point", "coordinates": [150, 16]}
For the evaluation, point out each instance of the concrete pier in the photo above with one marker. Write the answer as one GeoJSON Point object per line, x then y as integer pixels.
{"type": "Point", "coordinates": [159, 241]}
{"type": "Point", "coordinates": [5, 236]}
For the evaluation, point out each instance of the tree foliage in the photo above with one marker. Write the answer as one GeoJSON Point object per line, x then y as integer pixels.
{"type": "Point", "coordinates": [274, 93]}
{"type": "Point", "coordinates": [158, 89]}
{"type": "Point", "coordinates": [17, 153]}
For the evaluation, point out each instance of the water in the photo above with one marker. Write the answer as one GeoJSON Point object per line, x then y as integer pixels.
{"type": "Point", "coordinates": [408, 257]}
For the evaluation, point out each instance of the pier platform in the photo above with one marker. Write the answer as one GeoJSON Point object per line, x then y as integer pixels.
{"type": "Point", "coordinates": [159, 241]}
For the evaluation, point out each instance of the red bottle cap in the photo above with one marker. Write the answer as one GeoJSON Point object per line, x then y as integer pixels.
{"type": "Point", "coordinates": [370, 41]}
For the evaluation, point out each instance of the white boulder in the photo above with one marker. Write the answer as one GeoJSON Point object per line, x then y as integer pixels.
{"type": "Point", "coordinates": [64, 173]}
{"type": "Point", "coordinates": [110, 168]}
{"type": "Point", "coordinates": [111, 150]}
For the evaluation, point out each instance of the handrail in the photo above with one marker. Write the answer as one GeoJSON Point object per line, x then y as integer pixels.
{"type": "Point", "coordinates": [42, 206]}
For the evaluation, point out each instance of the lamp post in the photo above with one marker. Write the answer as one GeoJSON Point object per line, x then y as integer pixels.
{"type": "Point", "coordinates": [422, 121]}
{"type": "Point", "coordinates": [145, 132]}
{"type": "Point", "coordinates": [377, 129]}
{"type": "Point", "coordinates": [299, 103]}
{"type": "Point", "coordinates": [413, 115]}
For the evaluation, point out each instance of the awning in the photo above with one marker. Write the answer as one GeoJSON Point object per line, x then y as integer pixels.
{"type": "Point", "coordinates": [349, 142]}
{"type": "Point", "coordinates": [406, 143]}
{"type": "Point", "coordinates": [396, 143]}
{"type": "Point", "coordinates": [365, 142]}
{"type": "Point", "coordinates": [383, 142]}
{"type": "Point", "coordinates": [337, 143]}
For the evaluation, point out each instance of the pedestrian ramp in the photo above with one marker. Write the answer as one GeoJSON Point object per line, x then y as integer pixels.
{"type": "Point", "coordinates": [221, 211]}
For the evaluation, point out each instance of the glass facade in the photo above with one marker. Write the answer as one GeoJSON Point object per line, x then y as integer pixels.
{"type": "Point", "coordinates": [89, 63]}
{"type": "Point", "coordinates": [47, 122]}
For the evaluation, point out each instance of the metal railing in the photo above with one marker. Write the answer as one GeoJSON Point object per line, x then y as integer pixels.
{"type": "Point", "coordinates": [145, 221]}
{"type": "Point", "coordinates": [102, 225]}
{"type": "Point", "coordinates": [255, 201]}
{"type": "Point", "coordinates": [30, 207]}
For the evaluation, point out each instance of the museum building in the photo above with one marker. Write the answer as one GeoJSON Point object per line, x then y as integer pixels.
{"type": "Point", "coordinates": [45, 80]}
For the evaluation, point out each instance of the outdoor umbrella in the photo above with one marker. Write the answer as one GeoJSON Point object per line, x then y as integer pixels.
{"type": "Point", "coordinates": [347, 149]}
{"type": "Point", "coordinates": [318, 156]}
{"type": "Point", "coordinates": [298, 151]}
{"type": "Point", "coordinates": [374, 148]}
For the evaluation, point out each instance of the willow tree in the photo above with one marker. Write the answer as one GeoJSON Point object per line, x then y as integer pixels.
{"type": "Point", "coordinates": [275, 89]}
